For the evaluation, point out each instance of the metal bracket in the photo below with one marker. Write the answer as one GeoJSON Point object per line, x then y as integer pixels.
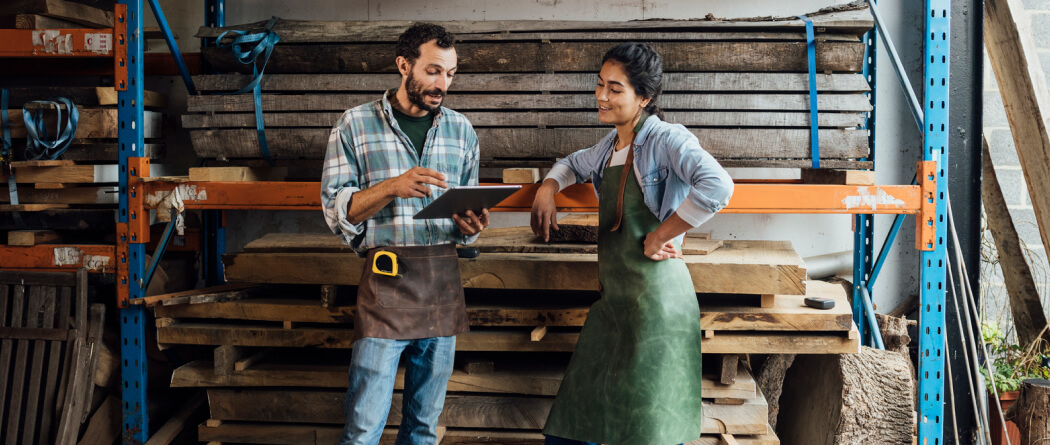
{"type": "Point", "coordinates": [120, 33]}
{"type": "Point", "coordinates": [138, 216]}
{"type": "Point", "coordinates": [926, 220]}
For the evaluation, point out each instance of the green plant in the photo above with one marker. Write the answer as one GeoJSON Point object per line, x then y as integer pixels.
{"type": "Point", "coordinates": [1011, 363]}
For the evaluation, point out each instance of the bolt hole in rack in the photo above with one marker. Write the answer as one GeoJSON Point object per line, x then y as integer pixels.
{"type": "Point", "coordinates": [924, 199]}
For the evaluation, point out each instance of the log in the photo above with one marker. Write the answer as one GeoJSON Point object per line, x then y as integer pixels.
{"type": "Point", "coordinates": [540, 57]}
{"type": "Point", "coordinates": [1031, 412]}
{"type": "Point", "coordinates": [522, 102]}
{"type": "Point", "coordinates": [576, 228]}
{"type": "Point", "coordinates": [1025, 304]}
{"type": "Point", "coordinates": [771, 381]}
{"type": "Point", "coordinates": [561, 82]}
{"type": "Point", "coordinates": [847, 399]}
{"type": "Point", "coordinates": [547, 143]}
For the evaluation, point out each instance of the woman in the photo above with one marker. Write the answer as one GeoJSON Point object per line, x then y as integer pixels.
{"type": "Point", "coordinates": [635, 377]}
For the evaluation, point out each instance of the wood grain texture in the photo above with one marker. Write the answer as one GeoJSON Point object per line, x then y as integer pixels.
{"type": "Point", "coordinates": [746, 267]}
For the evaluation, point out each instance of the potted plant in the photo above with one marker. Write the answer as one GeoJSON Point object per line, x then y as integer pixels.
{"type": "Point", "coordinates": [1011, 364]}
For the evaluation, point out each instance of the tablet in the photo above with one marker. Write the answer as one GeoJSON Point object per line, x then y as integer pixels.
{"type": "Point", "coordinates": [457, 200]}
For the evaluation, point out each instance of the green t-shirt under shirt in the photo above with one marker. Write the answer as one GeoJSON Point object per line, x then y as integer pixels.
{"type": "Point", "coordinates": [415, 128]}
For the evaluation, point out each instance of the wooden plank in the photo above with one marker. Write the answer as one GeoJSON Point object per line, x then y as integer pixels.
{"type": "Point", "coordinates": [32, 278]}
{"type": "Point", "coordinates": [35, 334]}
{"type": "Point", "coordinates": [105, 424]}
{"type": "Point", "coordinates": [237, 174]}
{"type": "Point", "coordinates": [463, 411]}
{"type": "Point", "coordinates": [251, 360]}
{"type": "Point", "coordinates": [108, 96]}
{"type": "Point", "coordinates": [1029, 318]}
{"type": "Point", "coordinates": [522, 240]}
{"type": "Point", "coordinates": [530, 378]}
{"type": "Point", "coordinates": [45, 318]}
{"type": "Point", "coordinates": [101, 195]}
{"type": "Point", "coordinates": [70, 174]}
{"type": "Point", "coordinates": [547, 119]}
{"type": "Point", "coordinates": [524, 102]}
{"type": "Point", "coordinates": [32, 237]}
{"type": "Point", "coordinates": [94, 219]}
{"type": "Point", "coordinates": [219, 292]}
{"type": "Point", "coordinates": [838, 177]}
{"type": "Point", "coordinates": [856, 21]}
{"type": "Point", "coordinates": [35, 21]}
{"type": "Point", "coordinates": [74, 12]}
{"type": "Point", "coordinates": [54, 367]}
{"type": "Point", "coordinates": [168, 432]}
{"type": "Point", "coordinates": [7, 299]}
{"type": "Point", "coordinates": [745, 267]}
{"type": "Point", "coordinates": [292, 434]}
{"type": "Point", "coordinates": [789, 312]}
{"type": "Point", "coordinates": [561, 82]}
{"type": "Point", "coordinates": [745, 342]}
{"type": "Point", "coordinates": [549, 143]}
{"type": "Point", "coordinates": [18, 389]}
{"type": "Point", "coordinates": [96, 151]}
{"type": "Point", "coordinates": [521, 175]}
{"type": "Point", "coordinates": [93, 123]}
{"type": "Point", "coordinates": [32, 207]}
{"type": "Point", "coordinates": [95, 329]}
{"type": "Point", "coordinates": [1023, 87]}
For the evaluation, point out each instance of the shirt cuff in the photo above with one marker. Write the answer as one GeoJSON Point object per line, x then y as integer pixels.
{"type": "Point", "coordinates": [348, 229]}
{"type": "Point", "coordinates": [563, 174]}
{"type": "Point", "coordinates": [693, 214]}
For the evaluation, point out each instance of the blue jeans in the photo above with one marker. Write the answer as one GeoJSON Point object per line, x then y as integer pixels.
{"type": "Point", "coordinates": [373, 369]}
{"type": "Point", "coordinates": [555, 440]}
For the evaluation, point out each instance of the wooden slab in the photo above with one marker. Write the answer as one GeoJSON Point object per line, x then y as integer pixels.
{"type": "Point", "coordinates": [108, 96]}
{"type": "Point", "coordinates": [105, 195]}
{"type": "Point", "coordinates": [547, 143]}
{"type": "Point", "coordinates": [462, 411]}
{"type": "Point", "coordinates": [237, 174]}
{"type": "Point", "coordinates": [484, 57]}
{"type": "Point", "coordinates": [727, 342]}
{"type": "Point", "coordinates": [521, 240]}
{"type": "Point", "coordinates": [534, 82]}
{"type": "Point", "coordinates": [32, 237]}
{"type": "Point", "coordinates": [789, 312]}
{"type": "Point", "coordinates": [838, 177]}
{"type": "Point", "coordinates": [66, 174]}
{"type": "Point", "coordinates": [70, 11]}
{"type": "Point", "coordinates": [293, 434]}
{"type": "Point", "coordinates": [521, 175]}
{"type": "Point", "coordinates": [480, 119]}
{"type": "Point", "coordinates": [741, 267]}
{"type": "Point", "coordinates": [93, 123]}
{"type": "Point", "coordinates": [536, 378]}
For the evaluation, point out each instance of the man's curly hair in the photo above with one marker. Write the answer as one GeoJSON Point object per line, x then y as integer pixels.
{"type": "Point", "coordinates": [409, 42]}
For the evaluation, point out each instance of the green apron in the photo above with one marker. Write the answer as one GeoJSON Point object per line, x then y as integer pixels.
{"type": "Point", "coordinates": [635, 377]}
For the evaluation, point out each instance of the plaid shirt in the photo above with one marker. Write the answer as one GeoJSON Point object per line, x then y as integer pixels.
{"type": "Point", "coordinates": [367, 147]}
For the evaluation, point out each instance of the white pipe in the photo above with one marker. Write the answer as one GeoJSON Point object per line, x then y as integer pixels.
{"type": "Point", "coordinates": [829, 265]}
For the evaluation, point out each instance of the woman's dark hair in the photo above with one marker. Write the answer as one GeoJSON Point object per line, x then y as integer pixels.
{"type": "Point", "coordinates": [644, 71]}
{"type": "Point", "coordinates": [409, 42]}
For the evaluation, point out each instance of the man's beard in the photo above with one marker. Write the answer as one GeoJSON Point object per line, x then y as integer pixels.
{"type": "Point", "coordinates": [417, 95]}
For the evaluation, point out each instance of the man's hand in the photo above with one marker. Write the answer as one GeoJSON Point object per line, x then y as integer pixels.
{"type": "Point", "coordinates": [659, 250]}
{"type": "Point", "coordinates": [544, 212]}
{"type": "Point", "coordinates": [471, 224]}
{"type": "Point", "coordinates": [413, 183]}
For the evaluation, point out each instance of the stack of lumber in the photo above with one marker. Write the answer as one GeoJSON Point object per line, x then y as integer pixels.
{"type": "Point", "coordinates": [279, 365]}
{"type": "Point", "coordinates": [56, 14]}
{"type": "Point", "coordinates": [528, 87]}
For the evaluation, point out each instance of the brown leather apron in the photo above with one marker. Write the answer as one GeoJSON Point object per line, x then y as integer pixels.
{"type": "Point", "coordinates": [425, 300]}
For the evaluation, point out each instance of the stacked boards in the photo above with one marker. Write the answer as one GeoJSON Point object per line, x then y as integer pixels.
{"type": "Point", "coordinates": [528, 87]}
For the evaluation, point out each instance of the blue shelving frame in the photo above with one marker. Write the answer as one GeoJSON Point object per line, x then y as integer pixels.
{"type": "Point", "coordinates": [932, 294]}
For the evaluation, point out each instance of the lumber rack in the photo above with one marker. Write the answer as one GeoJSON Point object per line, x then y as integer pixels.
{"type": "Point", "coordinates": [924, 199]}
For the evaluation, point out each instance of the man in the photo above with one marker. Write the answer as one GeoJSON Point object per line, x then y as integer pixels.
{"type": "Point", "coordinates": [386, 160]}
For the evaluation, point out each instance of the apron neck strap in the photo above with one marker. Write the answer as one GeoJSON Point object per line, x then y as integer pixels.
{"type": "Point", "coordinates": [628, 165]}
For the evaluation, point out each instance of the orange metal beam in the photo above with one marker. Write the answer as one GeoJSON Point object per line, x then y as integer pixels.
{"type": "Point", "coordinates": [748, 198]}
{"type": "Point", "coordinates": [56, 43]}
{"type": "Point", "coordinates": [56, 257]}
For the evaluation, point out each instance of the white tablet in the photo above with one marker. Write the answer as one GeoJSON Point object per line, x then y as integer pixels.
{"type": "Point", "coordinates": [457, 200]}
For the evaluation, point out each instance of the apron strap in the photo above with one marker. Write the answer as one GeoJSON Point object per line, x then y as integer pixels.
{"type": "Point", "coordinates": [627, 166]}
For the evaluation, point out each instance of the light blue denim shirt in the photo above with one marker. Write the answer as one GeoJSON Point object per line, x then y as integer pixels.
{"type": "Point", "coordinates": [675, 173]}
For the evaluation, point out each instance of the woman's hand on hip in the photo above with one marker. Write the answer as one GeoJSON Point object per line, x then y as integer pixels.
{"type": "Point", "coordinates": [659, 250]}
{"type": "Point", "coordinates": [544, 212]}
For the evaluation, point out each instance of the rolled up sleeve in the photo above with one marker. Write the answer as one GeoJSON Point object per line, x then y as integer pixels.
{"type": "Point", "coordinates": [711, 185]}
{"type": "Point", "coordinates": [339, 181]}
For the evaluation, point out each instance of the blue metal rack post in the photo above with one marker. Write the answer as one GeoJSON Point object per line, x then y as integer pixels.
{"type": "Point", "coordinates": [863, 225]}
{"type": "Point", "coordinates": [131, 242]}
{"type": "Point", "coordinates": [932, 291]}
{"type": "Point", "coordinates": [214, 224]}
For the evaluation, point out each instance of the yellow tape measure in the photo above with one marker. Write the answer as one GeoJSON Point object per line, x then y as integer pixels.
{"type": "Point", "coordinates": [385, 263]}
